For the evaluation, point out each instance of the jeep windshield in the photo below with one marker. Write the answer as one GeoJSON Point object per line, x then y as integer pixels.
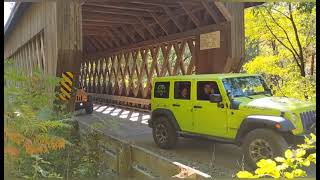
{"type": "Point", "coordinates": [245, 86]}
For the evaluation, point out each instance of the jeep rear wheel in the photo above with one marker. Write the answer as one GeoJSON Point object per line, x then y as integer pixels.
{"type": "Point", "coordinates": [164, 134]}
{"type": "Point", "coordinates": [263, 144]}
{"type": "Point", "coordinates": [89, 105]}
{"type": "Point", "coordinates": [89, 108]}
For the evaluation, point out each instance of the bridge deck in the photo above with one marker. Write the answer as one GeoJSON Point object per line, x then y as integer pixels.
{"type": "Point", "coordinates": [132, 126]}
{"type": "Point", "coordinates": [215, 159]}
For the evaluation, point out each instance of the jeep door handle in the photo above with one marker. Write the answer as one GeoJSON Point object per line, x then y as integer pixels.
{"type": "Point", "coordinates": [197, 107]}
{"type": "Point", "coordinates": [176, 105]}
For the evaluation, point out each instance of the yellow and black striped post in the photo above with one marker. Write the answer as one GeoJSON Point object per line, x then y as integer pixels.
{"type": "Point", "coordinates": [66, 86]}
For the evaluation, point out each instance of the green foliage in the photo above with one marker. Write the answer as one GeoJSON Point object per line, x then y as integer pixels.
{"type": "Point", "coordinates": [280, 45]}
{"type": "Point", "coordinates": [41, 138]}
{"type": "Point", "coordinates": [289, 166]}
{"type": "Point", "coordinates": [284, 76]}
{"type": "Point", "coordinates": [30, 123]}
{"type": "Point", "coordinates": [92, 163]}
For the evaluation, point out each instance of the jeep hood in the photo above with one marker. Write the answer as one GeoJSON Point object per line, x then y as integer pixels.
{"type": "Point", "coordinates": [277, 103]}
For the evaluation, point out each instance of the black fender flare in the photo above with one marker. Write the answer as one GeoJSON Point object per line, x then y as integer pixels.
{"type": "Point", "coordinates": [164, 112]}
{"type": "Point", "coordinates": [263, 121]}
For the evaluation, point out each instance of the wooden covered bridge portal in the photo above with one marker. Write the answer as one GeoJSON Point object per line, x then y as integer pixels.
{"type": "Point", "coordinates": [115, 47]}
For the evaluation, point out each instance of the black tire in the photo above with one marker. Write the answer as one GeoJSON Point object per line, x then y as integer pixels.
{"type": "Point", "coordinates": [168, 137]}
{"type": "Point", "coordinates": [276, 146]}
{"type": "Point", "coordinates": [89, 105]}
{"type": "Point", "coordinates": [89, 108]}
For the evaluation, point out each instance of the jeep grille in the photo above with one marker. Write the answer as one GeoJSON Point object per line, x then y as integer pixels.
{"type": "Point", "coordinates": [308, 119]}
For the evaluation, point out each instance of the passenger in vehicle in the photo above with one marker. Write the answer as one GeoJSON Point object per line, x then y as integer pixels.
{"type": "Point", "coordinates": [184, 93]}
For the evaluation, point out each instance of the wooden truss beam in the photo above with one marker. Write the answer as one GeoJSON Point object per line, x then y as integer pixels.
{"type": "Point", "coordinates": [191, 15]}
{"type": "Point", "coordinates": [138, 30]}
{"type": "Point", "coordinates": [116, 41]}
{"type": "Point", "coordinates": [159, 23]}
{"type": "Point", "coordinates": [169, 38]}
{"type": "Point", "coordinates": [173, 18]}
{"type": "Point", "coordinates": [131, 36]}
{"type": "Point", "coordinates": [147, 2]}
{"type": "Point", "coordinates": [105, 22]}
{"type": "Point", "coordinates": [103, 45]}
{"type": "Point", "coordinates": [147, 27]}
{"type": "Point", "coordinates": [119, 35]}
{"type": "Point", "coordinates": [224, 11]}
{"type": "Point", "coordinates": [126, 6]}
{"type": "Point", "coordinates": [213, 14]}
{"type": "Point", "coordinates": [114, 19]}
{"type": "Point", "coordinates": [104, 10]}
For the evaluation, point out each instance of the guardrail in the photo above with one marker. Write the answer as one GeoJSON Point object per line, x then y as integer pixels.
{"type": "Point", "coordinates": [131, 161]}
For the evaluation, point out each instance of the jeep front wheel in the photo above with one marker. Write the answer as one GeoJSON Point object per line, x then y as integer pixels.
{"type": "Point", "coordinates": [263, 144]}
{"type": "Point", "coordinates": [164, 134]}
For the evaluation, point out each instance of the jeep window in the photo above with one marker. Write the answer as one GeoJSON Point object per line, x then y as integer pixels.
{"type": "Point", "coordinates": [205, 88]}
{"type": "Point", "coordinates": [245, 86]}
{"type": "Point", "coordinates": [161, 89]}
{"type": "Point", "coordinates": [182, 89]}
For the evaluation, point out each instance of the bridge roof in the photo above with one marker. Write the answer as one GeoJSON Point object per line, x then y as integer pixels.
{"type": "Point", "coordinates": [112, 24]}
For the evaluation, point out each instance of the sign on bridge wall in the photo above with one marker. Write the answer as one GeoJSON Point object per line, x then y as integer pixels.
{"type": "Point", "coordinates": [210, 40]}
{"type": "Point", "coordinates": [66, 86]}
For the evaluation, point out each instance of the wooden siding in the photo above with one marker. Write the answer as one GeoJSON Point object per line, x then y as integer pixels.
{"type": "Point", "coordinates": [30, 56]}
{"type": "Point", "coordinates": [37, 21]}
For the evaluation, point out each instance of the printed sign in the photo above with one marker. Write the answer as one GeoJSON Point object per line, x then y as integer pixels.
{"type": "Point", "coordinates": [210, 40]}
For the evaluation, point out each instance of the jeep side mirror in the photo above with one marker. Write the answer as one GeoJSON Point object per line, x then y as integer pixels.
{"type": "Point", "coordinates": [215, 98]}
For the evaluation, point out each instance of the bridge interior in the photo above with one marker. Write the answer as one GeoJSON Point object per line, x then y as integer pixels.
{"type": "Point", "coordinates": [115, 47]}
{"type": "Point", "coordinates": [115, 24]}
{"type": "Point", "coordinates": [128, 42]}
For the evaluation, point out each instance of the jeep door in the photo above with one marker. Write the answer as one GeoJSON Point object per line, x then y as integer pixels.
{"type": "Point", "coordinates": [182, 105]}
{"type": "Point", "coordinates": [209, 118]}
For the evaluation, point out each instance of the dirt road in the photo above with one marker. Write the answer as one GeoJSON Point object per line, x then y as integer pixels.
{"type": "Point", "coordinates": [216, 159]}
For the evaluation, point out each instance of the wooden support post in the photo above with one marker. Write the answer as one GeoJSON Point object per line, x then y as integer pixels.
{"type": "Point", "coordinates": [124, 161]}
{"type": "Point", "coordinates": [227, 56]}
{"type": "Point", "coordinates": [69, 40]}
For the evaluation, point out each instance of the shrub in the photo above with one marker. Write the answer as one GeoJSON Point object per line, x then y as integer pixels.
{"type": "Point", "coordinates": [289, 166]}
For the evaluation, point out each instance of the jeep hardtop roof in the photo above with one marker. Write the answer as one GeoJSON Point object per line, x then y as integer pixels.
{"type": "Point", "coordinates": [203, 76]}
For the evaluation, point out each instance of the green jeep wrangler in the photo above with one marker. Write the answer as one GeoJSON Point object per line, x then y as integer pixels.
{"type": "Point", "coordinates": [230, 108]}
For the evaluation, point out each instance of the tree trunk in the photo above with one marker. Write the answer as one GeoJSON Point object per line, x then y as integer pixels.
{"type": "Point", "coordinates": [312, 64]}
{"type": "Point", "coordinates": [274, 47]}
{"type": "Point", "coordinates": [302, 69]}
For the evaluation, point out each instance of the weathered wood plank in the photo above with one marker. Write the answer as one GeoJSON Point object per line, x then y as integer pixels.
{"type": "Point", "coordinates": [121, 98]}
{"type": "Point", "coordinates": [138, 173]}
{"type": "Point", "coordinates": [173, 18]}
{"type": "Point", "coordinates": [168, 39]}
{"type": "Point", "coordinates": [190, 14]}
{"type": "Point", "coordinates": [152, 161]}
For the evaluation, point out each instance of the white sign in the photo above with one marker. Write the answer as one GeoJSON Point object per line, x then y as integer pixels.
{"type": "Point", "coordinates": [210, 40]}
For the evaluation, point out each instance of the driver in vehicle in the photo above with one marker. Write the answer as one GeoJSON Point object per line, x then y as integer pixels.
{"type": "Point", "coordinates": [207, 88]}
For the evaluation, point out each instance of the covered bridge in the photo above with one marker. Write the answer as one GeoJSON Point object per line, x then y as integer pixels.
{"type": "Point", "coordinates": [115, 47]}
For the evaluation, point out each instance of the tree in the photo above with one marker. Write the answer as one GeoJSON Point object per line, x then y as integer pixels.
{"type": "Point", "coordinates": [288, 25]}
{"type": "Point", "coordinates": [280, 44]}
